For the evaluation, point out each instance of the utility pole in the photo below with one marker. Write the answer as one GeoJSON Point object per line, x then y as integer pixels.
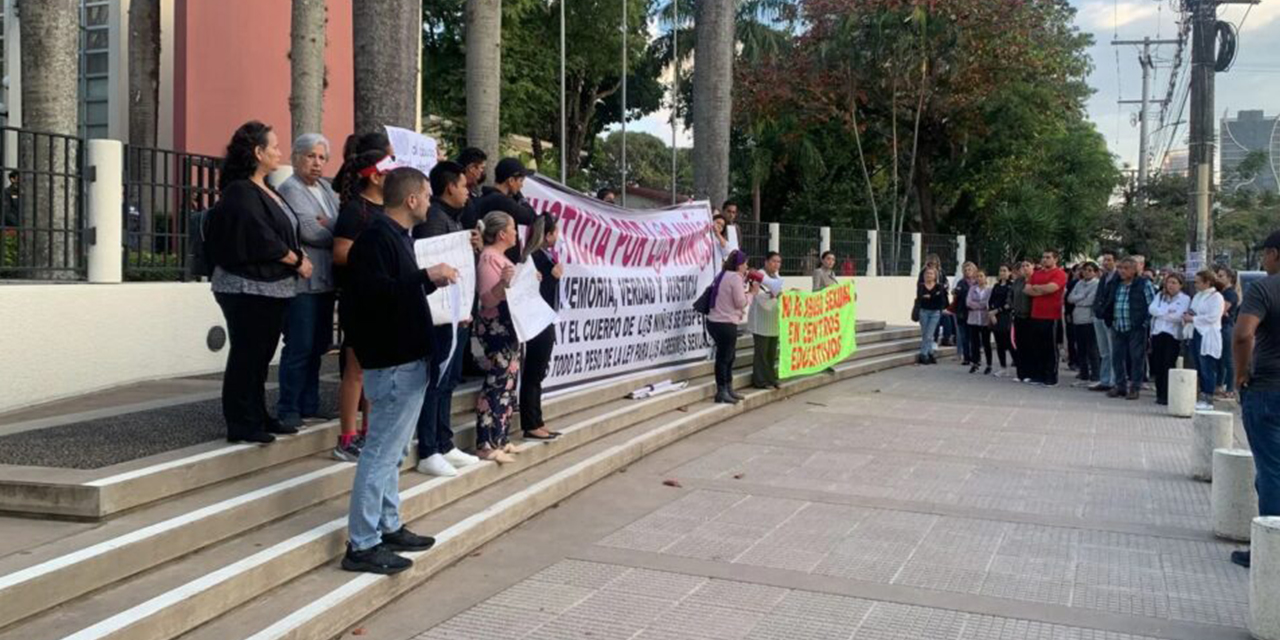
{"type": "Point", "coordinates": [1148, 67]}
{"type": "Point", "coordinates": [1204, 64]}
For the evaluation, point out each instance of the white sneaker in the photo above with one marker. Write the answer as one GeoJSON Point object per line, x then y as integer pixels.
{"type": "Point", "coordinates": [1203, 406]}
{"type": "Point", "coordinates": [436, 465]}
{"type": "Point", "coordinates": [459, 458]}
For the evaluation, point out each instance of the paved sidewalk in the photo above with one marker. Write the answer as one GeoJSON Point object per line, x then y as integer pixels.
{"type": "Point", "coordinates": [916, 503]}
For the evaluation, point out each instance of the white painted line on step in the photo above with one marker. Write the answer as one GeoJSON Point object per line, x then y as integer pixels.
{"type": "Point", "coordinates": [159, 603]}
{"type": "Point", "coordinates": [165, 466]}
{"type": "Point", "coordinates": [30, 573]}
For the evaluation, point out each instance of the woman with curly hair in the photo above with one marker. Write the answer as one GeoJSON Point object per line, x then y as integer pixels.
{"type": "Point", "coordinates": [253, 243]}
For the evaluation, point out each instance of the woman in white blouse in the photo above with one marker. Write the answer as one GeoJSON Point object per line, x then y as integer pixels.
{"type": "Point", "coordinates": [1206, 343]}
{"type": "Point", "coordinates": [1167, 311]}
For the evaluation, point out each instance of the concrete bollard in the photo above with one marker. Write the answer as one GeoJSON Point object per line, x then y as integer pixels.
{"type": "Point", "coordinates": [1210, 430]}
{"type": "Point", "coordinates": [1264, 579]}
{"type": "Point", "coordinates": [1232, 499]}
{"type": "Point", "coordinates": [1182, 392]}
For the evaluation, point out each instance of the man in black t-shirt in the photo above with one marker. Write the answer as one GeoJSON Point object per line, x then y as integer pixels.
{"type": "Point", "coordinates": [1256, 346]}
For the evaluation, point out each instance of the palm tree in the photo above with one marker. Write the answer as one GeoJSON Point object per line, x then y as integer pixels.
{"type": "Point", "coordinates": [712, 98]}
{"type": "Point", "coordinates": [144, 100]}
{"type": "Point", "coordinates": [306, 65]}
{"type": "Point", "coordinates": [387, 35]}
{"type": "Point", "coordinates": [484, 74]}
{"type": "Point", "coordinates": [50, 33]}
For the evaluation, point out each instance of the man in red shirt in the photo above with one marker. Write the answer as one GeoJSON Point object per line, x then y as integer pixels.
{"type": "Point", "coordinates": [1046, 287]}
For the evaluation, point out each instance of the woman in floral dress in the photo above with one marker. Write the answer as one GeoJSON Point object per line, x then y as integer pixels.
{"type": "Point", "coordinates": [497, 337]}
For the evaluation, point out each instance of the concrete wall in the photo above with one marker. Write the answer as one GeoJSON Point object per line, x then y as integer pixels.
{"type": "Point", "coordinates": [57, 341]}
{"type": "Point", "coordinates": [888, 299]}
{"type": "Point", "coordinates": [231, 65]}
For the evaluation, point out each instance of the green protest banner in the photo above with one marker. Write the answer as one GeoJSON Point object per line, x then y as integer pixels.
{"type": "Point", "coordinates": [815, 330]}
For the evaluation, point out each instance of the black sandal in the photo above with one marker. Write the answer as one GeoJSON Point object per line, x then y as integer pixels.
{"type": "Point", "coordinates": [529, 435]}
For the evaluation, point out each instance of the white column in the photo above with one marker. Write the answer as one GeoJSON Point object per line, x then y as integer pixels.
{"type": "Point", "coordinates": [775, 236]}
{"type": "Point", "coordinates": [1182, 392]}
{"type": "Point", "coordinates": [1232, 499]}
{"type": "Point", "coordinates": [873, 253]}
{"type": "Point", "coordinates": [824, 244]}
{"type": "Point", "coordinates": [1210, 430]}
{"type": "Point", "coordinates": [1264, 579]}
{"type": "Point", "coordinates": [917, 254]}
{"type": "Point", "coordinates": [106, 211]}
{"type": "Point", "coordinates": [962, 249]}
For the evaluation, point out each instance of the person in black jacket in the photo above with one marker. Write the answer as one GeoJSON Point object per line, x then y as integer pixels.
{"type": "Point", "coordinates": [1001, 310]}
{"type": "Point", "coordinates": [505, 196]}
{"type": "Point", "coordinates": [437, 454]}
{"type": "Point", "coordinates": [388, 321]}
{"type": "Point", "coordinates": [253, 243]}
{"type": "Point", "coordinates": [537, 351]}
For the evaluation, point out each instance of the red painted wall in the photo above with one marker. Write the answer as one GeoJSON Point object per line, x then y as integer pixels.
{"type": "Point", "coordinates": [231, 65]}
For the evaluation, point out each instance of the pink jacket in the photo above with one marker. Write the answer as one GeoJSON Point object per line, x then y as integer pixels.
{"type": "Point", "coordinates": [731, 302]}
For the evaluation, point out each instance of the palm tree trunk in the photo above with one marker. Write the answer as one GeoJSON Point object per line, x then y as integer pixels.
{"type": "Point", "coordinates": [484, 75]}
{"type": "Point", "coordinates": [712, 98]}
{"type": "Point", "coordinates": [144, 101]}
{"type": "Point", "coordinates": [306, 65]}
{"type": "Point", "coordinates": [387, 35]}
{"type": "Point", "coordinates": [50, 33]}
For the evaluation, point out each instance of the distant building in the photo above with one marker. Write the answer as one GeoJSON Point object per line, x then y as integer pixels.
{"type": "Point", "coordinates": [1176, 163]}
{"type": "Point", "coordinates": [1250, 131]}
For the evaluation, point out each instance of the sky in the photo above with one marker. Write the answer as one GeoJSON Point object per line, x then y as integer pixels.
{"type": "Point", "coordinates": [1251, 84]}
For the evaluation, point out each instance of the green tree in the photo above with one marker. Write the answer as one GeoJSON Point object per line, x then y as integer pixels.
{"type": "Point", "coordinates": [648, 163]}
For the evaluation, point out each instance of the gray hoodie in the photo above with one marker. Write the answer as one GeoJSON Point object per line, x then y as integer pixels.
{"type": "Point", "coordinates": [1082, 296]}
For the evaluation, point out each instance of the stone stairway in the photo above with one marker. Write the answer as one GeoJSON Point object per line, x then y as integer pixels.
{"type": "Point", "coordinates": [223, 541]}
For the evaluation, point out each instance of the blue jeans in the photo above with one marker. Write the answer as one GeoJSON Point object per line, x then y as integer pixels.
{"type": "Point", "coordinates": [395, 398]}
{"type": "Point", "coordinates": [308, 332]}
{"type": "Point", "coordinates": [435, 422]}
{"type": "Point", "coordinates": [1227, 366]}
{"type": "Point", "coordinates": [1262, 426]}
{"type": "Point", "coordinates": [1206, 368]}
{"type": "Point", "coordinates": [962, 338]}
{"type": "Point", "coordinates": [1106, 374]}
{"type": "Point", "coordinates": [929, 319]}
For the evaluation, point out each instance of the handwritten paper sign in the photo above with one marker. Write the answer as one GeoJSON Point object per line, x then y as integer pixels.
{"type": "Point", "coordinates": [412, 149]}
{"type": "Point", "coordinates": [453, 249]}
{"type": "Point", "coordinates": [529, 312]}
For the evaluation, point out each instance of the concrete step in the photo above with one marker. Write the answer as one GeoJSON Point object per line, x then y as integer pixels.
{"type": "Point", "coordinates": [202, 585]}
{"type": "Point", "coordinates": [326, 602]}
{"type": "Point", "coordinates": [99, 493]}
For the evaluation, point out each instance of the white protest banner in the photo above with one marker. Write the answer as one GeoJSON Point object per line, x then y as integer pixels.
{"type": "Point", "coordinates": [529, 312]}
{"type": "Point", "coordinates": [630, 279]}
{"type": "Point", "coordinates": [453, 249]}
{"type": "Point", "coordinates": [412, 148]}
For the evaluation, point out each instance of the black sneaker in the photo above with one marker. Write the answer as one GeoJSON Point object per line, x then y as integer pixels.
{"type": "Point", "coordinates": [379, 559]}
{"type": "Point", "coordinates": [279, 428]}
{"type": "Point", "coordinates": [406, 540]}
{"type": "Point", "coordinates": [1241, 558]}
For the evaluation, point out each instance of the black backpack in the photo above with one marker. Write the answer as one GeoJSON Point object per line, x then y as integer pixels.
{"type": "Point", "coordinates": [703, 303]}
{"type": "Point", "coordinates": [199, 262]}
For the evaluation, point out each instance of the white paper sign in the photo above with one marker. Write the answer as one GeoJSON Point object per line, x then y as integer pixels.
{"type": "Point", "coordinates": [413, 149]}
{"type": "Point", "coordinates": [453, 249]}
{"type": "Point", "coordinates": [529, 312]}
{"type": "Point", "coordinates": [453, 296]}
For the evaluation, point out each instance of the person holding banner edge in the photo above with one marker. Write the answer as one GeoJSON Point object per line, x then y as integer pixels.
{"type": "Point", "coordinates": [537, 352]}
{"type": "Point", "coordinates": [730, 296]}
{"type": "Point", "coordinates": [497, 336]}
{"type": "Point", "coordinates": [437, 456]}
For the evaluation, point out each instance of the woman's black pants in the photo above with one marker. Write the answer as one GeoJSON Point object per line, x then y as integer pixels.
{"type": "Point", "coordinates": [725, 336]}
{"type": "Point", "coordinates": [254, 325]}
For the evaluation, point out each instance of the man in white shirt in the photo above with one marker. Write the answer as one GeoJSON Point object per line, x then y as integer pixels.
{"type": "Point", "coordinates": [762, 322]}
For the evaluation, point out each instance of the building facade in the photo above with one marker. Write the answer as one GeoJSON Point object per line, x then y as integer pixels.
{"type": "Point", "coordinates": [222, 62]}
{"type": "Point", "coordinates": [1250, 131]}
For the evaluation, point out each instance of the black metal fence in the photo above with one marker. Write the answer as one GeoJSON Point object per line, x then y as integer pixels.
{"type": "Point", "coordinates": [753, 238]}
{"type": "Point", "coordinates": [800, 246]}
{"type": "Point", "coordinates": [162, 188]}
{"type": "Point", "coordinates": [946, 247]}
{"type": "Point", "coordinates": [42, 210]}
{"type": "Point", "coordinates": [851, 249]}
{"type": "Point", "coordinates": [896, 257]}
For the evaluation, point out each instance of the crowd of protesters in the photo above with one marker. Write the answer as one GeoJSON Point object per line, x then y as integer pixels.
{"type": "Point", "coordinates": [284, 255]}
{"type": "Point", "coordinates": [1121, 325]}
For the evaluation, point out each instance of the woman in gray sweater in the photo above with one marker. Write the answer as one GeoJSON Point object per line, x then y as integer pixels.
{"type": "Point", "coordinates": [1083, 296]}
